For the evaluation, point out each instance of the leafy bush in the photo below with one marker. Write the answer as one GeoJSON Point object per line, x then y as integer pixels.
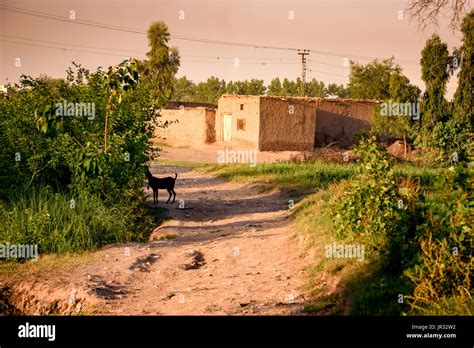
{"type": "Point", "coordinates": [69, 152]}
{"type": "Point", "coordinates": [371, 210]}
{"type": "Point", "coordinates": [452, 140]}
{"type": "Point", "coordinates": [426, 237]}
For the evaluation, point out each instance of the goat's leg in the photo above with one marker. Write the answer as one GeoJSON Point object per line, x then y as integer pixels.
{"type": "Point", "coordinates": [169, 191]}
{"type": "Point", "coordinates": [174, 196]}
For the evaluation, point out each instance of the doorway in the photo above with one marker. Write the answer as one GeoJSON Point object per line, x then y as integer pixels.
{"type": "Point", "coordinates": [227, 128]}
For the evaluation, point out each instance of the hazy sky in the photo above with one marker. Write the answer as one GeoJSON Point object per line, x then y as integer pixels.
{"type": "Point", "coordinates": [354, 29]}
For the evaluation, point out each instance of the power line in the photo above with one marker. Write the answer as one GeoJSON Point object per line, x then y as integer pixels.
{"type": "Point", "coordinates": [69, 44]}
{"type": "Point", "coordinates": [129, 30]}
{"type": "Point", "coordinates": [140, 52]}
{"type": "Point", "coordinates": [136, 31]}
{"type": "Point", "coordinates": [68, 20]}
{"type": "Point", "coordinates": [228, 57]}
{"type": "Point", "coordinates": [249, 63]}
{"type": "Point", "coordinates": [217, 59]}
{"type": "Point", "coordinates": [324, 72]}
{"type": "Point", "coordinates": [64, 48]}
{"type": "Point", "coordinates": [125, 56]}
{"type": "Point", "coordinates": [184, 61]}
{"type": "Point", "coordinates": [334, 65]}
{"type": "Point", "coordinates": [176, 37]}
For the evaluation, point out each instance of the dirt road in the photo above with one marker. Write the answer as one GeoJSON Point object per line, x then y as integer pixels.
{"type": "Point", "coordinates": [227, 249]}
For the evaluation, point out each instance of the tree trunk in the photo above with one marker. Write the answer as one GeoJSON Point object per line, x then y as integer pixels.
{"type": "Point", "coordinates": [107, 109]}
{"type": "Point", "coordinates": [405, 144]}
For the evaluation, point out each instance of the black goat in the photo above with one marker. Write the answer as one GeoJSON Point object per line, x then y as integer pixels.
{"type": "Point", "coordinates": [161, 184]}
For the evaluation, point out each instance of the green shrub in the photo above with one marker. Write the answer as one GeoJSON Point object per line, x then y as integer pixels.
{"type": "Point", "coordinates": [371, 211]}
{"type": "Point", "coordinates": [73, 155]}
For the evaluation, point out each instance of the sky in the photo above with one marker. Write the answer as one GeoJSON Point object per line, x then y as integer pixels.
{"type": "Point", "coordinates": [44, 36]}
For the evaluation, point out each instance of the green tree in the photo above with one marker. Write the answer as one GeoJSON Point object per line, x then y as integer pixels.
{"type": "Point", "coordinates": [335, 89]}
{"type": "Point", "coordinates": [465, 58]}
{"type": "Point", "coordinates": [275, 87]}
{"type": "Point", "coordinates": [252, 87]}
{"type": "Point", "coordinates": [255, 87]}
{"type": "Point", "coordinates": [184, 89]}
{"type": "Point", "coordinates": [372, 81]}
{"type": "Point", "coordinates": [237, 87]}
{"type": "Point", "coordinates": [434, 61]}
{"type": "Point", "coordinates": [315, 88]}
{"type": "Point", "coordinates": [230, 88]}
{"type": "Point", "coordinates": [435, 129]}
{"type": "Point", "coordinates": [290, 88]}
{"type": "Point", "coordinates": [462, 122]}
{"type": "Point", "coordinates": [162, 64]}
{"type": "Point", "coordinates": [210, 91]}
{"type": "Point", "coordinates": [401, 126]}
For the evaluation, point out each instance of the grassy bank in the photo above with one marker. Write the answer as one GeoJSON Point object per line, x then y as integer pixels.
{"type": "Point", "coordinates": [355, 286]}
{"type": "Point", "coordinates": [64, 223]}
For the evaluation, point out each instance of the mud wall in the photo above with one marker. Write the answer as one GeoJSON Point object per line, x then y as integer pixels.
{"type": "Point", "coordinates": [181, 104]}
{"type": "Point", "coordinates": [210, 125]}
{"type": "Point", "coordinates": [240, 108]}
{"type": "Point", "coordinates": [339, 119]}
{"type": "Point", "coordinates": [287, 124]}
{"type": "Point", "coordinates": [189, 126]}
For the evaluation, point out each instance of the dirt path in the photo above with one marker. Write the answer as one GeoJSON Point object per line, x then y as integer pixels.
{"type": "Point", "coordinates": [232, 253]}
{"type": "Point", "coordinates": [207, 153]}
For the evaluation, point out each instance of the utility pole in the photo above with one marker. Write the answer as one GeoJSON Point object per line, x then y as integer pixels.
{"type": "Point", "coordinates": [303, 53]}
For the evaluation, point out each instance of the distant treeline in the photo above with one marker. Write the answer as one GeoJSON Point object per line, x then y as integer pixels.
{"type": "Point", "coordinates": [213, 88]}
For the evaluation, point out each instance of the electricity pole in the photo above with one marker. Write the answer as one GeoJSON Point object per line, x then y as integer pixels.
{"type": "Point", "coordinates": [303, 53]}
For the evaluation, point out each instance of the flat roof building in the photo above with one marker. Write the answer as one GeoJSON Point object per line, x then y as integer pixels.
{"type": "Point", "coordinates": [276, 123]}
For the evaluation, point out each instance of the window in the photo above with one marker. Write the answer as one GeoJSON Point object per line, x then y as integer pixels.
{"type": "Point", "coordinates": [241, 124]}
{"type": "Point", "coordinates": [241, 106]}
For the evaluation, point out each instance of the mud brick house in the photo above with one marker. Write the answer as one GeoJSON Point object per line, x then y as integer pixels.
{"type": "Point", "coordinates": [274, 123]}
{"type": "Point", "coordinates": [190, 123]}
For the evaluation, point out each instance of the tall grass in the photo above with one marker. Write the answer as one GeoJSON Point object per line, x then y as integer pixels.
{"type": "Point", "coordinates": [61, 223]}
{"type": "Point", "coordinates": [287, 174]}
{"type": "Point", "coordinates": [428, 176]}
{"type": "Point", "coordinates": [315, 174]}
